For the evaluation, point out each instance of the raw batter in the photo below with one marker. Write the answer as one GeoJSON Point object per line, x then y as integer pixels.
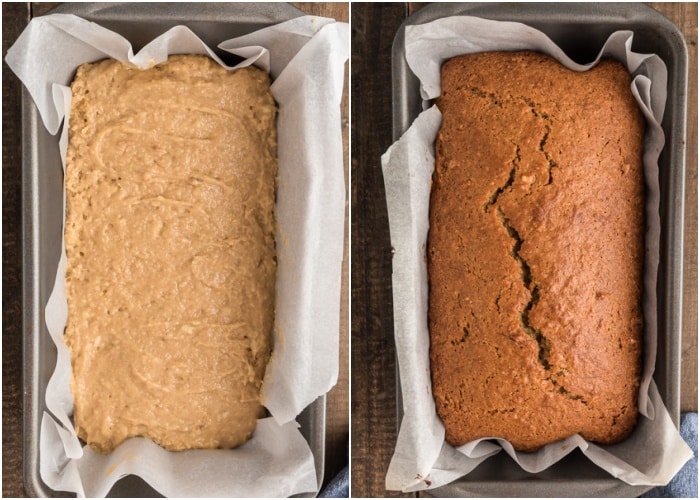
{"type": "Point", "coordinates": [170, 188]}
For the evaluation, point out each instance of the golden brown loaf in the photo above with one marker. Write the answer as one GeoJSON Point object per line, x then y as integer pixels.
{"type": "Point", "coordinates": [170, 190]}
{"type": "Point", "coordinates": [536, 251]}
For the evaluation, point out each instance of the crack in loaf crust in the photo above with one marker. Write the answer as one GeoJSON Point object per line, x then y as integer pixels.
{"type": "Point", "coordinates": [536, 251]}
{"type": "Point", "coordinates": [170, 191]}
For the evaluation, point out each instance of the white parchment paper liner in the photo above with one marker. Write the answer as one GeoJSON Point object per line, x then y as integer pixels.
{"type": "Point", "coordinates": [422, 459]}
{"type": "Point", "coordinates": [306, 58]}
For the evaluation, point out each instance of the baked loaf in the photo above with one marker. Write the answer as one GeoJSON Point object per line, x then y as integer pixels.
{"type": "Point", "coordinates": [536, 251]}
{"type": "Point", "coordinates": [170, 243]}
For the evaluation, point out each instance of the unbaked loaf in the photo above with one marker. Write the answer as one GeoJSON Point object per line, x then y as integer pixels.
{"type": "Point", "coordinates": [536, 251]}
{"type": "Point", "coordinates": [170, 244]}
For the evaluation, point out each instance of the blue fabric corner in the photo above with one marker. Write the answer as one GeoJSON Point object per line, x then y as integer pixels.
{"type": "Point", "coordinates": [685, 483]}
{"type": "Point", "coordinates": [339, 486]}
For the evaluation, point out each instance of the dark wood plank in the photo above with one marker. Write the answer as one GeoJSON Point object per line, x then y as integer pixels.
{"type": "Point", "coordinates": [339, 11]}
{"type": "Point", "coordinates": [14, 16]}
{"type": "Point", "coordinates": [685, 16]}
{"type": "Point", "coordinates": [414, 7]}
{"type": "Point", "coordinates": [373, 392]}
{"type": "Point", "coordinates": [42, 8]}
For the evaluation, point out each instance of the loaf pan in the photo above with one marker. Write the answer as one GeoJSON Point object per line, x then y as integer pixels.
{"type": "Point", "coordinates": [581, 29]}
{"type": "Point", "coordinates": [42, 207]}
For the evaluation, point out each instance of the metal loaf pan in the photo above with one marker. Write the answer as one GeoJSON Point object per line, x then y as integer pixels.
{"type": "Point", "coordinates": [42, 207]}
{"type": "Point", "coordinates": [580, 29]}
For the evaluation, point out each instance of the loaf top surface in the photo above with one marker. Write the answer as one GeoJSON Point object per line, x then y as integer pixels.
{"type": "Point", "coordinates": [536, 251]}
{"type": "Point", "coordinates": [169, 235]}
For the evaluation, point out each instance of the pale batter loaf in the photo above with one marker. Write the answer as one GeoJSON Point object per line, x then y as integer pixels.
{"type": "Point", "coordinates": [536, 251]}
{"type": "Point", "coordinates": [170, 240]}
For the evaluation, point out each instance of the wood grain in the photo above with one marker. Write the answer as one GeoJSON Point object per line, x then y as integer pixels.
{"type": "Point", "coordinates": [14, 17]}
{"type": "Point", "coordinates": [373, 393]}
{"type": "Point", "coordinates": [685, 16]}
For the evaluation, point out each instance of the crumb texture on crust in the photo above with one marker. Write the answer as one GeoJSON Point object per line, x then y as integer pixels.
{"type": "Point", "coordinates": [536, 251]}
{"type": "Point", "coordinates": [170, 243]}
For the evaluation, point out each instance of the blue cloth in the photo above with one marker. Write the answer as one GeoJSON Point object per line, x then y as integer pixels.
{"type": "Point", "coordinates": [339, 486]}
{"type": "Point", "coordinates": [685, 483]}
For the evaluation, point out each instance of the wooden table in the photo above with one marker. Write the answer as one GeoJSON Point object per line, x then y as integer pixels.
{"type": "Point", "coordinates": [373, 392]}
{"type": "Point", "coordinates": [15, 17]}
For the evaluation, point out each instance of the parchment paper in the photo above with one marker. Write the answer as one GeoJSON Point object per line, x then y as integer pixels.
{"type": "Point", "coordinates": [306, 58]}
{"type": "Point", "coordinates": [422, 459]}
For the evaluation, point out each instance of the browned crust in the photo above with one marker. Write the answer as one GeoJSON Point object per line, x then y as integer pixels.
{"type": "Point", "coordinates": [536, 251]}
